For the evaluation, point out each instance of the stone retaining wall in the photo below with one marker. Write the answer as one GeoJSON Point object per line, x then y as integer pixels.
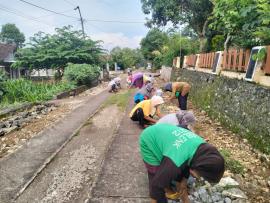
{"type": "Point", "coordinates": [241, 106]}
{"type": "Point", "coordinates": [73, 92]}
{"type": "Point", "coordinates": [165, 73]}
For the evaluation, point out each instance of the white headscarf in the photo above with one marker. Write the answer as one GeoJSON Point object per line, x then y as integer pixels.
{"type": "Point", "coordinates": [155, 100]}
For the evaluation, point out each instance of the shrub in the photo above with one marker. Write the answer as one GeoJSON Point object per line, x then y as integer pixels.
{"type": "Point", "coordinates": [3, 78]}
{"type": "Point", "coordinates": [81, 74]}
{"type": "Point", "coordinates": [23, 90]}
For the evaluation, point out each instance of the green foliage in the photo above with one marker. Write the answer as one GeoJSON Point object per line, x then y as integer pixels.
{"type": "Point", "coordinates": [263, 30]}
{"type": "Point", "coordinates": [3, 78]}
{"type": "Point", "coordinates": [154, 41]}
{"type": "Point", "coordinates": [177, 44]}
{"type": "Point", "coordinates": [120, 99]}
{"type": "Point", "coordinates": [217, 43]}
{"type": "Point", "coordinates": [55, 51]}
{"type": "Point", "coordinates": [232, 164]}
{"type": "Point", "coordinates": [11, 34]}
{"type": "Point", "coordinates": [260, 56]}
{"type": "Point", "coordinates": [245, 21]}
{"type": "Point", "coordinates": [193, 12]}
{"type": "Point", "coordinates": [126, 57]}
{"type": "Point", "coordinates": [163, 52]}
{"type": "Point", "coordinates": [81, 74]}
{"type": "Point", "coordinates": [22, 90]}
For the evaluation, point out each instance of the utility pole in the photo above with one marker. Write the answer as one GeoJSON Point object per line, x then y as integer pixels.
{"type": "Point", "coordinates": [81, 20]}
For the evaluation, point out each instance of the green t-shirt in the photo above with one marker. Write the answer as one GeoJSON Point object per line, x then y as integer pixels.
{"type": "Point", "coordinates": [171, 141]}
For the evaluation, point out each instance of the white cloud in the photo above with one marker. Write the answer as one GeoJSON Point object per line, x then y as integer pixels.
{"type": "Point", "coordinates": [111, 40]}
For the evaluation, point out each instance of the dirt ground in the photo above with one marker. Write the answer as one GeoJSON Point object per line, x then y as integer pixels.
{"type": "Point", "coordinates": [14, 140]}
{"type": "Point", "coordinates": [255, 180]}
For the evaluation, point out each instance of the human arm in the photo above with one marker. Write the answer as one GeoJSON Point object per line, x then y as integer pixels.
{"type": "Point", "coordinates": [174, 87]}
{"type": "Point", "coordinates": [167, 172]}
{"type": "Point", "coordinates": [158, 113]}
{"type": "Point", "coordinates": [148, 118]}
{"type": "Point", "coordinates": [183, 191]}
{"type": "Point", "coordinates": [153, 201]}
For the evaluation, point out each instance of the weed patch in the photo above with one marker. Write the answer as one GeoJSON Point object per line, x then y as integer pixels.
{"type": "Point", "coordinates": [232, 164]}
{"type": "Point", "coordinates": [120, 99]}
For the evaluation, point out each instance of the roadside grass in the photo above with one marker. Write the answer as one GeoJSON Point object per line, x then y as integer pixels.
{"type": "Point", "coordinates": [120, 99]}
{"type": "Point", "coordinates": [233, 165]}
{"type": "Point", "coordinates": [21, 91]}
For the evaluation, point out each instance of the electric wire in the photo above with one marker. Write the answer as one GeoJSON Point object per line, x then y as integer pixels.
{"type": "Point", "coordinates": [91, 20]}
{"type": "Point", "coordinates": [69, 2]}
{"type": "Point", "coordinates": [45, 9]}
{"type": "Point", "coordinates": [114, 21]}
{"type": "Point", "coordinates": [25, 16]}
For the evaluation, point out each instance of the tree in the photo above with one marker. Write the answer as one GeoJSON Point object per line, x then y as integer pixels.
{"type": "Point", "coordinates": [178, 45]}
{"type": "Point", "coordinates": [126, 57]}
{"type": "Point", "coordinates": [11, 34]}
{"type": "Point", "coordinates": [47, 51]}
{"type": "Point", "coordinates": [153, 43]}
{"type": "Point", "coordinates": [263, 30]}
{"type": "Point", "coordinates": [193, 12]}
{"type": "Point", "coordinates": [237, 20]}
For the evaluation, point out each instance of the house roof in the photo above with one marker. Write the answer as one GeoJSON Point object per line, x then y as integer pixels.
{"type": "Point", "coordinates": [7, 52]}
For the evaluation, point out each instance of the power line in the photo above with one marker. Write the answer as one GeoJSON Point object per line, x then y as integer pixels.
{"type": "Point", "coordinates": [97, 27]}
{"type": "Point", "coordinates": [115, 21]}
{"type": "Point", "coordinates": [91, 20]}
{"type": "Point", "coordinates": [23, 15]}
{"type": "Point", "coordinates": [45, 9]}
{"type": "Point", "coordinates": [54, 14]}
{"type": "Point", "coordinates": [69, 2]}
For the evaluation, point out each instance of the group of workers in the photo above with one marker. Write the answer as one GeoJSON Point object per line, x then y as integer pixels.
{"type": "Point", "coordinates": [170, 150]}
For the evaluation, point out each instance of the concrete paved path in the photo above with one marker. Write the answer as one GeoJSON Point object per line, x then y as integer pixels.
{"type": "Point", "coordinates": [123, 177]}
{"type": "Point", "coordinates": [18, 170]}
{"type": "Point", "coordinates": [72, 173]}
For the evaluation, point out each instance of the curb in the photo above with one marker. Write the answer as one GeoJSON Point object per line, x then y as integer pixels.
{"type": "Point", "coordinates": [50, 159]}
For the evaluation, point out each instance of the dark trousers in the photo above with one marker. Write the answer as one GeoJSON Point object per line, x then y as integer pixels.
{"type": "Point", "coordinates": [150, 178]}
{"type": "Point", "coordinates": [138, 115]}
{"type": "Point", "coordinates": [182, 100]}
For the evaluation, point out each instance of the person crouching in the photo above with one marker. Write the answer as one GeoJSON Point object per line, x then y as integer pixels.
{"type": "Point", "coordinates": [144, 93]}
{"type": "Point", "coordinates": [172, 154]}
{"type": "Point", "coordinates": [145, 111]}
{"type": "Point", "coordinates": [184, 119]}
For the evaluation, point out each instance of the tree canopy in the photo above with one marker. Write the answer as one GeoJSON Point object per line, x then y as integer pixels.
{"type": "Point", "coordinates": [153, 43]}
{"type": "Point", "coordinates": [193, 12]}
{"type": "Point", "coordinates": [46, 51]}
{"type": "Point", "coordinates": [217, 23]}
{"type": "Point", "coordinates": [11, 34]}
{"type": "Point", "coordinates": [162, 47]}
{"type": "Point", "coordinates": [126, 57]}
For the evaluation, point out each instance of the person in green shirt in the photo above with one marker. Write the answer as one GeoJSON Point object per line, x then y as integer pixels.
{"type": "Point", "coordinates": [171, 154]}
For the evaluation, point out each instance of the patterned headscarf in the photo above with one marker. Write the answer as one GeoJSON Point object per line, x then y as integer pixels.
{"type": "Point", "coordinates": [185, 118]}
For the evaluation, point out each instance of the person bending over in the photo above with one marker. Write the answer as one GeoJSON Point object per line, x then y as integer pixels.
{"type": "Point", "coordinates": [145, 111]}
{"type": "Point", "coordinates": [180, 91]}
{"type": "Point", "coordinates": [171, 154]}
{"type": "Point", "coordinates": [184, 119]}
{"type": "Point", "coordinates": [144, 93]}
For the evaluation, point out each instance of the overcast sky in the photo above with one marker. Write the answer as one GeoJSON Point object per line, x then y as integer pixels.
{"type": "Point", "coordinates": [30, 19]}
